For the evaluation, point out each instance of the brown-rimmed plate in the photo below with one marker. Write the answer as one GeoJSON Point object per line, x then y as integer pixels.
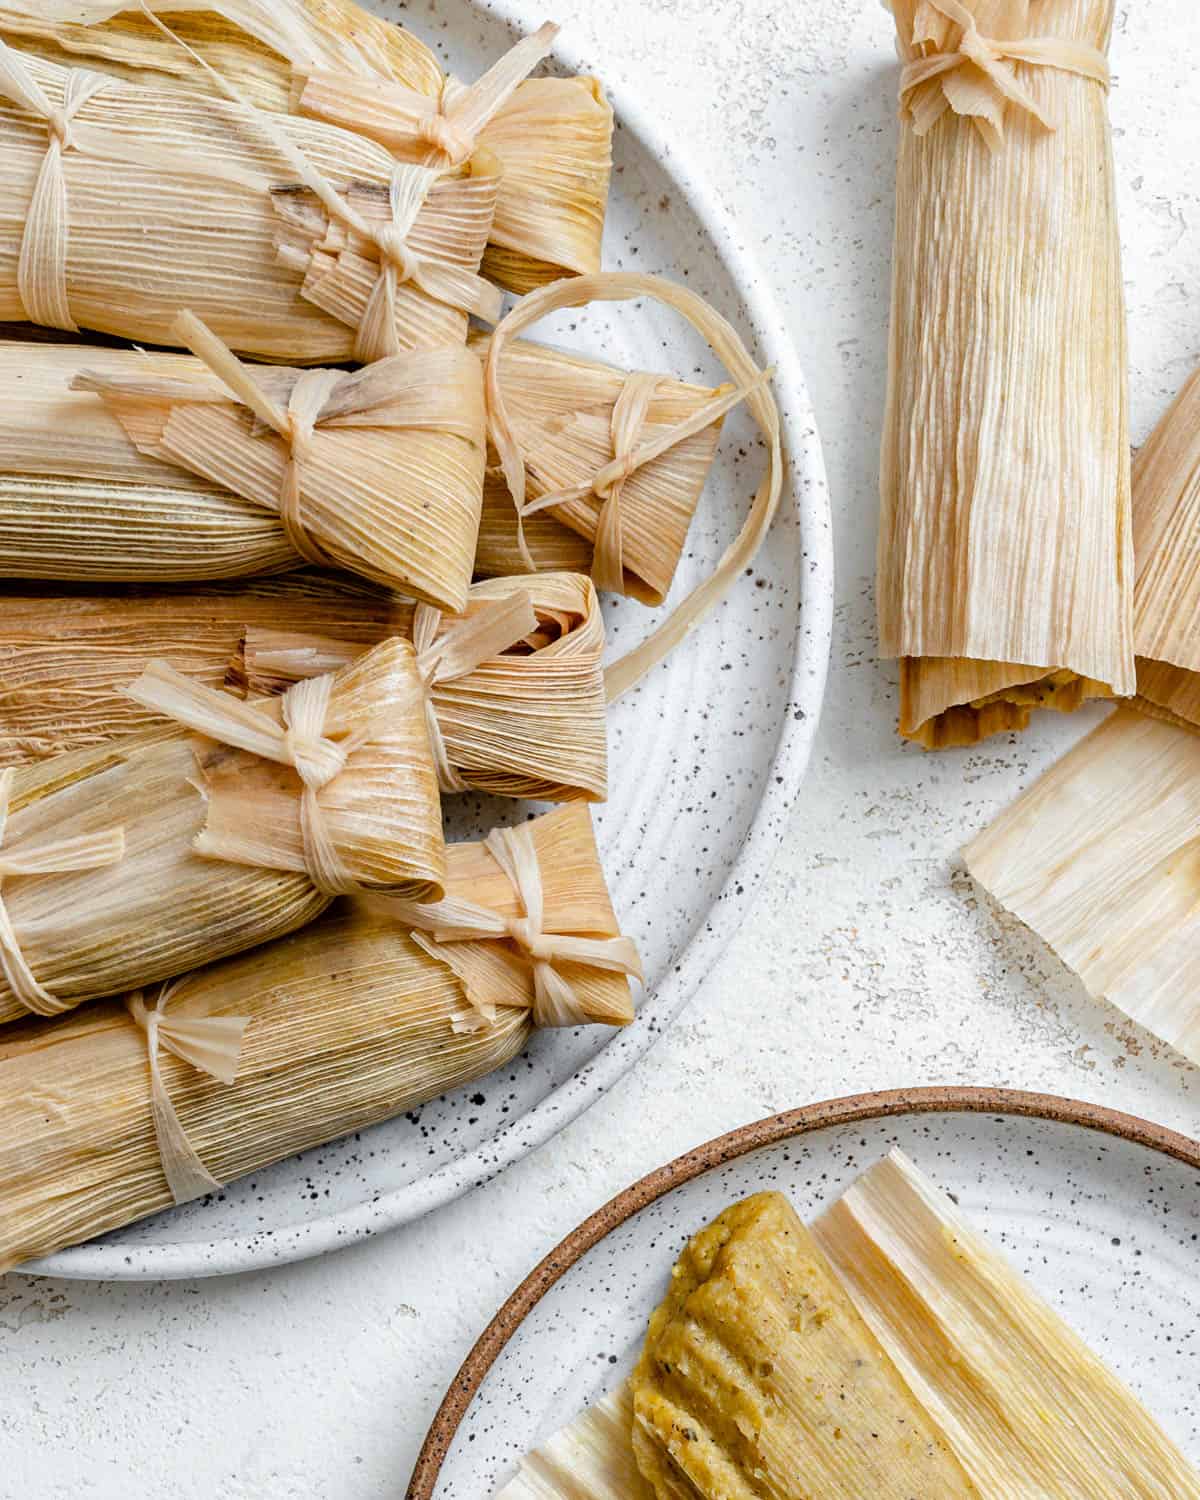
{"type": "Point", "coordinates": [1101, 1210]}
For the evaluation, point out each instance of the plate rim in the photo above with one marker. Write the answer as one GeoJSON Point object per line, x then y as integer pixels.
{"type": "Point", "coordinates": [264, 1249]}
{"type": "Point", "coordinates": [849, 1109]}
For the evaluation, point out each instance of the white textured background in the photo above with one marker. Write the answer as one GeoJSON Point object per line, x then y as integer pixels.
{"type": "Point", "coordinates": [870, 961]}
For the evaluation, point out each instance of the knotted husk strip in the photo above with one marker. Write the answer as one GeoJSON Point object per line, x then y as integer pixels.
{"type": "Point", "coordinates": [350, 1022]}
{"type": "Point", "coordinates": [1101, 857]}
{"type": "Point", "coordinates": [552, 136]}
{"type": "Point", "coordinates": [214, 848]}
{"type": "Point", "coordinates": [389, 479]}
{"type": "Point", "coordinates": [1005, 553]}
{"type": "Point", "coordinates": [1026, 1407]}
{"type": "Point", "coordinates": [561, 407]}
{"type": "Point", "coordinates": [175, 197]}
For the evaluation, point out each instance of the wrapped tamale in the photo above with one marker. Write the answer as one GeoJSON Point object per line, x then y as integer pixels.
{"type": "Point", "coordinates": [121, 465]}
{"type": "Point", "coordinates": [527, 720]}
{"type": "Point", "coordinates": [1005, 557]}
{"type": "Point", "coordinates": [137, 860]}
{"type": "Point", "coordinates": [294, 240]}
{"type": "Point", "coordinates": [332, 60]}
{"type": "Point", "coordinates": [351, 1021]}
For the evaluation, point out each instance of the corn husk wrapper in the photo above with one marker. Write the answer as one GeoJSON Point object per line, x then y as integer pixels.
{"type": "Point", "coordinates": [293, 240]}
{"type": "Point", "coordinates": [214, 847]}
{"type": "Point", "coordinates": [349, 1022]}
{"type": "Point", "coordinates": [592, 1459]}
{"type": "Point", "coordinates": [1005, 559]}
{"type": "Point", "coordinates": [336, 62]}
{"type": "Point", "coordinates": [1026, 1407]}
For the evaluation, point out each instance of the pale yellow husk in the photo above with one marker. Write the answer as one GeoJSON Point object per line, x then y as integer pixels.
{"type": "Point", "coordinates": [350, 1022]}
{"type": "Point", "coordinates": [333, 60]}
{"type": "Point", "coordinates": [213, 847]}
{"type": "Point", "coordinates": [1101, 857]}
{"type": "Point", "coordinates": [1005, 557]}
{"type": "Point", "coordinates": [1027, 1408]}
{"type": "Point", "coordinates": [181, 198]}
{"type": "Point", "coordinates": [592, 1459]}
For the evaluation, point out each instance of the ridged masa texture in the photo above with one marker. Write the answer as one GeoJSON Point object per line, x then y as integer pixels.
{"type": "Point", "coordinates": [215, 851]}
{"type": "Point", "coordinates": [1005, 560]}
{"type": "Point", "coordinates": [350, 1022]}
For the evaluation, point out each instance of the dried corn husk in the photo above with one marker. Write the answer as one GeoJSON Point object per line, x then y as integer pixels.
{"type": "Point", "coordinates": [120, 465]}
{"type": "Point", "coordinates": [1005, 560]}
{"type": "Point", "coordinates": [221, 847]}
{"type": "Point", "coordinates": [293, 240]}
{"type": "Point", "coordinates": [349, 1022]}
{"type": "Point", "coordinates": [337, 62]}
{"type": "Point", "coordinates": [1100, 858]}
{"type": "Point", "coordinates": [592, 1459]}
{"type": "Point", "coordinates": [1027, 1408]}
{"type": "Point", "coordinates": [526, 723]}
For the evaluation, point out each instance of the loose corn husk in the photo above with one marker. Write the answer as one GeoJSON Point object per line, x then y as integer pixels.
{"type": "Point", "coordinates": [1027, 1408]}
{"type": "Point", "coordinates": [592, 1459]}
{"type": "Point", "coordinates": [350, 1022]}
{"type": "Point", "coordinates": [280, 233]}
{"type": "Point", "coordinates": [333, 60]}
{"type": "Point", "coordinates": [214, 854]}
{"type": "Point", "coordinates": [1101, 857]}
{"type": "Point", "coordinates": [528, 723]}
{"type": "Point", "coordinates": [1005, 558]}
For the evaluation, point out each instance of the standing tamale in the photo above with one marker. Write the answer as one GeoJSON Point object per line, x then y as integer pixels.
{"type": "Point", "coordinates": [1005, 560]}
{"type": "Point", "coordinates": [527, 720]}
{"type": "Point", "coordinates": [115, 464]}
{"type": "Point", "coordinates": [294, 240]}
{"type": "Point", "coordinates": [135, 861]}
{"type": "Point", "coordinates": [333, 60]}
{"type": "Point", "coordinates": [347, 1023]}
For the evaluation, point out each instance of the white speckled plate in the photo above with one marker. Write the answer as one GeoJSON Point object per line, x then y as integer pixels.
{"type": "Point", "coordinates": [1100, 1210]}
{"type": "Point", "coordinates": [706, 757]}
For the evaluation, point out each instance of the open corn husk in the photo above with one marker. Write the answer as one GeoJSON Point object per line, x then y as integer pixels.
{"type": "Point", "coordinates": [292, 239]}
{"type": "Point", "coordinates": [335, 61]}
{"type": "Point", "coordinates": [213, 848]}
{"type": "Point", "coordinates": [528, 722]}
{"type": "Point", "coordinates": [342, 1025]}
{"type": "Point", "coordinates": [1005, 559]}
{"type": "Point", "coordinates": [1026, 1407]}
{"type": "Point", "coordinates": [116, 464]}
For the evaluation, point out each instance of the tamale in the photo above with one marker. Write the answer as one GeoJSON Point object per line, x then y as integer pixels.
{"type": "Point", "coordinates": [1026, 1407]}
{"type": "Point", "coordinates": [1005, 555]}
{"type": "Point", "coordinates": [294, 240]}
{"type": "Point", "coordinates": [131, 862]}
{"type": "Point", "coordinates": [115, 464]}
{"type": "Point", "coordinates": [345, 1024]}
{"type": "Point", "coordinates": [527, 722]}
{"type": "Point", "coordinates": [335, 61]}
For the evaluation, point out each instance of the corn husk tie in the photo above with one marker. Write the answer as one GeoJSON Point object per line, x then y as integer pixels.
{"type": "Point", "coordinates": [462, 648]}
{"type": "Point", "coordinates": [977, 77]}
{"type": "Point", "coordinates": [437, 926]}
{"type": "Point", "coordinates": [299, 742]}
{"type": "Point", "coordinates": [752, 387]}
{"type": "Point", "coordinates": [89, 852]}
{"type": "Point", "coordinates": [42, 269]}
{"type": "Point", "coordinates": [212, 1044]}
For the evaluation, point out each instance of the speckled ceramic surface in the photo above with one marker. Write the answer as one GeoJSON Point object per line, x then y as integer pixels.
{"type": "Point", "coordinates": [1104, 1225]}
{"type": "Point", "coordinates": [706, 757]}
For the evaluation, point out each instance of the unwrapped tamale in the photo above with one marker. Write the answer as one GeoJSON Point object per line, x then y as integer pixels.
{"type": "Point", "coordinates": [116, 464]}
{"type": "Point", "coordinates": [335, 61]}
{"type": "Point", "coordinates": [347, 1023]}
{"type": "Point", "coordinates": [134, 861]}
{"type": "Point", "coordinates": [294, 240]}
{"type": "Point", "coordinates": [1005, 556]}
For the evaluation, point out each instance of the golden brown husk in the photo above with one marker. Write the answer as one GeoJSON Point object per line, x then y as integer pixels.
{"type": "Point", "coordinates": [165, 907]}
{"type": "Point", "coordinates": [561, 406]}
{"type": "Point", "coordinates": [350, 1023]}
{"type": "Point", "coordinates": [1005, 561]}
{"type": "Point", "coordinates": [179, 198]}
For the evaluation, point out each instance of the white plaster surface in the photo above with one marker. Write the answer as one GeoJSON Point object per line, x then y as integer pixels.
{"type": "Point", "coordinates": [870, 960]}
